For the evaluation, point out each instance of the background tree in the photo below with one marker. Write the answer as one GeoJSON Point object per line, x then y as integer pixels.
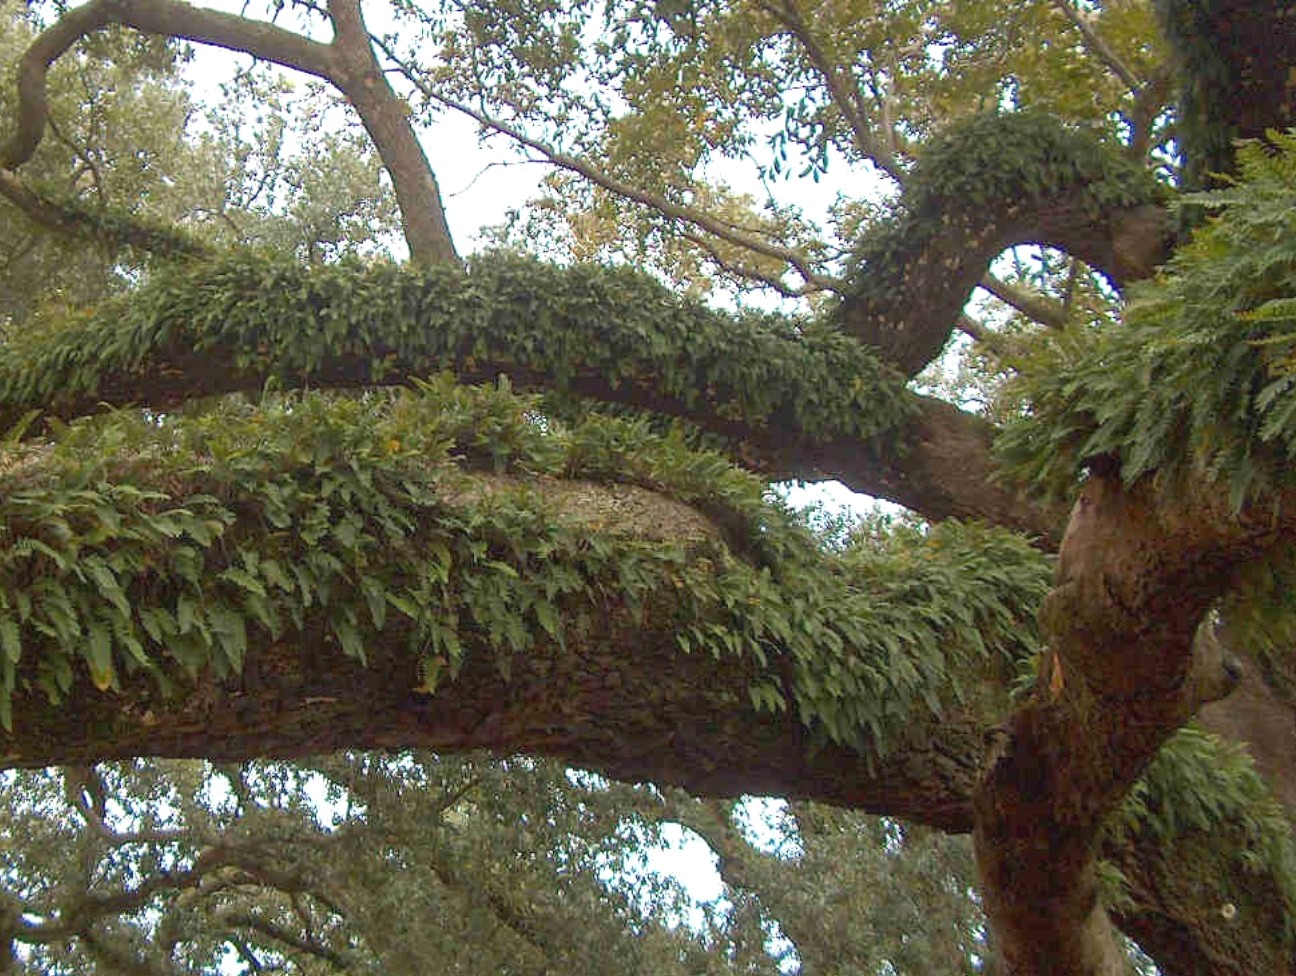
{"type": "Point", "coordinates": [228, 576]}
{"type": "Point", "coordinates": [472, 865]}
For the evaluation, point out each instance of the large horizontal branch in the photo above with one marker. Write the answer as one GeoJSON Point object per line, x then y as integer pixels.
{"type": "Point", "coordinates": [618, 693]}
{"type": "Point", "coordinates": [606, 684]}
{"type": "Point", "coordinates": [809, 405]}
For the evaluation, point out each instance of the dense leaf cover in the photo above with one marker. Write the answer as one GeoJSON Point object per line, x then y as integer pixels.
{"type": "Point", "coordinates": [268, 317]}
{"type": "Point", "coordinates": [159, 544]}
{"type": "Point", "coordinates": [1001, 164]}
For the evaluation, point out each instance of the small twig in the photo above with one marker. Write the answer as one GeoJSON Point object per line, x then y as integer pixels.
{"type": "Point", "coordinates": [1099, 47]}
{"type": "Point", "coordinates": [1031, 304]}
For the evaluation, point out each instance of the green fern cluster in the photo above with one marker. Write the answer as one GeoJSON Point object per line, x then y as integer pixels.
{"type": "Point", "coordinates": [168, 546]}
{"type": "Point", "coordinates": [1199, 784]}
{"type": "Point", "coordinates": [1198, 382]}
{"type": "Point", "coordinates": [256, 317]}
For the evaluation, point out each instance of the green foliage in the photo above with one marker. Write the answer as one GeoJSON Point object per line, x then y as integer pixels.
{"type": "Point", "coordinates": [411, 864]}
{"type": "Point", "coordinates": [612, 326]}
{"type": "Point", "coordinates": [1200, 784]}
{"type": "Point", "coordinates": [1197, 384]}
{"type": "Point", "coordinates": [167, 546]}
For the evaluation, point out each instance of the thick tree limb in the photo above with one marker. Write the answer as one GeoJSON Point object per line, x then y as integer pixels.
{"type": "Point", "coordinates": [348, 63]}
{"type": "Point", "coordinates": [1194, 911]}
{"type": "Point", "coordinates": [1137, 573]}
{"type": "Point", "coordinates": [946, 469]}
{"type": "Point", "coordinates": [385, 115]}
{"type": "Point", "coordinates": [598, 701]}
{"type": "Point", "coordinates": [910, 318]}
{"type": "Point", "coordinates": [1264, 720]}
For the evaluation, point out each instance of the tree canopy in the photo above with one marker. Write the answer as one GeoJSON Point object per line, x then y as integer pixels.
{"type": "Point", "coordinates": [272, 490]}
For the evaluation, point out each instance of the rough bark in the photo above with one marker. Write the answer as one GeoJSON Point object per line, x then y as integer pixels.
{"type": "Point", "coordinates": [653, 713]}
{"type": "Point", "coordinates": [360, 77]}
{"type": "Point", "coordinates": [1137, 573]}
{"type": "Point", "coordinates": [942, 467]}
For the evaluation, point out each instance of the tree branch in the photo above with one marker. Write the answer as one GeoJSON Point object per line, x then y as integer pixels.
{"type": "Point", "coordinates": [107, 229]}
{"type": "Point", "coordinates": [1033, 305]}
{"type": "Point", "coordinates": [301, 943]}
{"type": "Point", "coordinates": [1099, 47]}
{"type": "Point", "coordinates": [916, 272]}
{"type": "Point", "coordinates": [751, 274]}
{"type": "Point", "coordinates": [357, 73]}
{"type": "Point", "coordinates": [946, 470]}
{"type": "Point", "coordinates": [348, 63]}
{"type": "Point", "coordinates": [1136, 574]}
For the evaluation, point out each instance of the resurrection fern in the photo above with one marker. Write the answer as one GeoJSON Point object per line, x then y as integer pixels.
{"type": "Point", "coordinates": [994, 163]}
{"type": "Point", "coordinates": [170, 546]}
{"type": "Point", "coordinates": [260, 317]}
{"type": "Point", "coordinates": [1198, 382]}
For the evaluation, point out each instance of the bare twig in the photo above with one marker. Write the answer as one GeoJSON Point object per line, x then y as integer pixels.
{"type": "Point", "coordinates": [1033, 305]}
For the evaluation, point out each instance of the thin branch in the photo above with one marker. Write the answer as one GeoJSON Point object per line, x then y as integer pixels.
{"type": "Point", "coordinates": [972, 328]}
{"type": "Point", "coordinates": [1031, 304]}
{"type": "Point", "coordinates": [752, 274]}
{"type": "Point", "coordinates": [843, 91]}
{"type": "Point", "coordinates": [302, 943]}
{"type": "Point", "coordinates": [171, 18]}
{"type": "Point", "coordinates": [1099, 47]}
